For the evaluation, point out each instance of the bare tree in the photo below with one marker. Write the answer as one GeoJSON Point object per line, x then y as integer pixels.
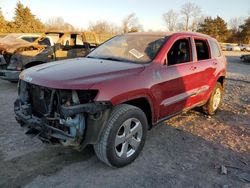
{"type": "Point", "coordinates": [197, 19]}
{"type": "Point", "coordinates": [191, 14]}
{"type": "Point", "coordinates": [103, 27]}
{"type": "Point", "coordinates": [180, 26]}
{"type": "Point", "coordinates": [58, 23]}
{"type": "Point", "coordinates": [234, 23]}
{"type": "Point", "coordinates": [171, 18]}
{"type": "Point", "coordinates": [131, 24]}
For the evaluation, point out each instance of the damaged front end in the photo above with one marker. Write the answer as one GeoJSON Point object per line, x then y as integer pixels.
{"type": "Point", "coordinates": [14, 55]}
{"type": "Point", "coordinates": [69, 117]}
{"type": "Point", "coordinates": [10, 66]}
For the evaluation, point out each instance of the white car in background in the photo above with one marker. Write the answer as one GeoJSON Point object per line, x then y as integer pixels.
{"type": "Point", "coordinates": [245, 47]}
{"type": "Point", "coordinates": [233, 48]}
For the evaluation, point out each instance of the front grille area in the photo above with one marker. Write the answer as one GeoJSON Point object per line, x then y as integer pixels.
{"type": "Point", "coordinates": [40, 100]}
{"type": "Point", "coordinates": [44, 101]}
{"type": "Point", "coordinates": [38, 97]}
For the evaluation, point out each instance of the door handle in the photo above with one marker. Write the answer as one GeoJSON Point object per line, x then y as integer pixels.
{"type": "Point", "coordinates": [193, 68]}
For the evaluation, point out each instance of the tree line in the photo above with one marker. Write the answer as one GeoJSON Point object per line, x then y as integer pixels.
{"type": "Point", "coordinates": [25, 22]}
{"type": "Point", "coordinates": [189, 18]}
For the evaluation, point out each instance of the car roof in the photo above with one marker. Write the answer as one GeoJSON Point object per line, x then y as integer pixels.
{"type": "Point", "coordinates": [163, 34]}
{"type": "Point", "coordinates": [61, 32]}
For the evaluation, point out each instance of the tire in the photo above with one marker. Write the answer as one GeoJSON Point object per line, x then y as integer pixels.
{"type": "Point", "coordinates": [14, 82]}
{"type": "Point", "coordinates": [127, 125]}
{"type": "Point", "coordinates": [214, 101]}
{"type": "Point", "coordinates": [244, 59]}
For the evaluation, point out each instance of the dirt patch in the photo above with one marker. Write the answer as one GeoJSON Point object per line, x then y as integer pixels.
{"type": "Point", "coordinates": [188, 151]}
{"type": "Point", "coordinates": [230, 127]}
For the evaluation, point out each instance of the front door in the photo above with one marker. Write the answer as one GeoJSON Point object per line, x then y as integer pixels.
{"type": "Point", "coordinates": [181, 78]}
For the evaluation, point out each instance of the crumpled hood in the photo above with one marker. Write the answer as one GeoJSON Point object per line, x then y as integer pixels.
{"type": "Point", "coordinates": [79, 73]}
{"type": "Point", "coordinates": [12, 45]}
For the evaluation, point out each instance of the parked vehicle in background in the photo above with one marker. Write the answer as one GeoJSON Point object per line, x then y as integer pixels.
{"type": "Point", "coordinates": [223, 47]}
{"type": "Point", "coordinates": [244, 47]}
{"type": "Point", "coordinates": [230, 47]}
{"type": "Point", "coordinates": [245, 58]}
{"type": "Point", "coordinates": [247, 49]}
{"type": "Point", "coordinates": [121, 89]}
{"type": "Point", "coordinates": [19, 52]}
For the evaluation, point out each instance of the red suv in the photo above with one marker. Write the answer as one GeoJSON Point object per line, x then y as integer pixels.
{"type": "Point", "coordinates": [130, 83]}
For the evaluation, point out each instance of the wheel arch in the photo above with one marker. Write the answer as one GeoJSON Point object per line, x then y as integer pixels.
{"type": "Point", "coordinates": [222, 80]}
{"type": "Point", "coordinates": [145, 105]}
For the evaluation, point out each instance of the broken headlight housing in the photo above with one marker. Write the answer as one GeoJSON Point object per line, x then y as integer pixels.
{"type": "Point", "coordinates": [70, 98]}
{"type": "Point", "coordinates": [14, 64]}
{"type": "Point", "coordinates": [86, 96]}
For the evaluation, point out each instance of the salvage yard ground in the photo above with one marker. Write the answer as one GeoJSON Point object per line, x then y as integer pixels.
{"type": "Point", "coordinates": [187, 151]}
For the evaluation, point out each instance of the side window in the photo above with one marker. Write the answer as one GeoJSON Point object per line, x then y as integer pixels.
{"type": "Point", "coordinates": [201, 49]}
{"type": "Point", "coordinates": [214, 48]}
{"type": "Point", "coordinates": [45, 41]}
{"type": "Point", "coordinates": [29, 39]}
{"type": "Point", "coordinates": [179, 52]}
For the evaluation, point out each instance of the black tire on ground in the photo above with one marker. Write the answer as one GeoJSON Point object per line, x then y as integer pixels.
{"type": "Point", "coordinates": [215, 100]}
{"type": "Point", "coordinates": [123, 123]}
{"type": "Point", "coordinates": [14, 82]}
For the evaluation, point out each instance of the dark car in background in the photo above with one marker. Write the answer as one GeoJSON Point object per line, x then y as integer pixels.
{"type": "Point", "coordinates": [245, 58]}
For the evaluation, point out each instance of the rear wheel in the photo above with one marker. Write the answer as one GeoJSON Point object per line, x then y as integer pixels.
{"type": "Point", "coordinates": [214, 101]}
{"type": "Point", "coordinates": [123, 136]}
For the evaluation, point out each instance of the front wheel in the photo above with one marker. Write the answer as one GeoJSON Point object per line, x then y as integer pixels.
{"type": "Point", "coordinates": [214, 101]}
{"type": "Point", "coordinates": [123, 136]}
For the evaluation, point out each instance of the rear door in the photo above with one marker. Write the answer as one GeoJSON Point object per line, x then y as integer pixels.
{"type": "Point", "coordinates": [206, 66]}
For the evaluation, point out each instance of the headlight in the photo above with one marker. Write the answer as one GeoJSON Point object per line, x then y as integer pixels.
{"type": "Point", "coordinates": [15, 64]}
{"type": "Point", "coordinates": [86, 96]}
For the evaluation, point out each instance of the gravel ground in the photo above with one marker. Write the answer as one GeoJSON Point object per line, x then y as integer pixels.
{"type": "Point", "coordinates": [189, 150]}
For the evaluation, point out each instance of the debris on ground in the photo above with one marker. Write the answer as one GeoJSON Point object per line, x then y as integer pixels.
{"type": "Point", "coordinates": [223, 170]}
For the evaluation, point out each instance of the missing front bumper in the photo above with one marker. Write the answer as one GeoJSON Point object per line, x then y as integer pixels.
{"type": "Point", "coordinates": [80, 125]}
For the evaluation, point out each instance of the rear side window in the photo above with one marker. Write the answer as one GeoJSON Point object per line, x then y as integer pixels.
{"type": "Point", "coordinates": [179, 52]}
{"type": "Point", "coordinates": [214, 48]}
{"type": "Point", "coordinates": [29, 39]}
{"type": "Point", "coordinates": [201, 49]}
{"type": "Point", "coordinates": [45, 41]}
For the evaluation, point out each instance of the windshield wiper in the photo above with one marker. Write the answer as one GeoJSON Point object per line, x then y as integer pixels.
{"type": "Point", "coordinates": [110, 58]}
{"type": "Point", "coordinates": [91, 57]}
{"type": "Point", "coordinates": [106, 58]}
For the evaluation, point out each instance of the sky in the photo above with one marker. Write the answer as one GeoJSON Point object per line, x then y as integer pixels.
{"type": "Point", "coordinates": [80, 13]}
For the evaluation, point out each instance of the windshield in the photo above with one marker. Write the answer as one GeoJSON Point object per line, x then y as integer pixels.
{"type": "Point", "coordinates": [130, 48]}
